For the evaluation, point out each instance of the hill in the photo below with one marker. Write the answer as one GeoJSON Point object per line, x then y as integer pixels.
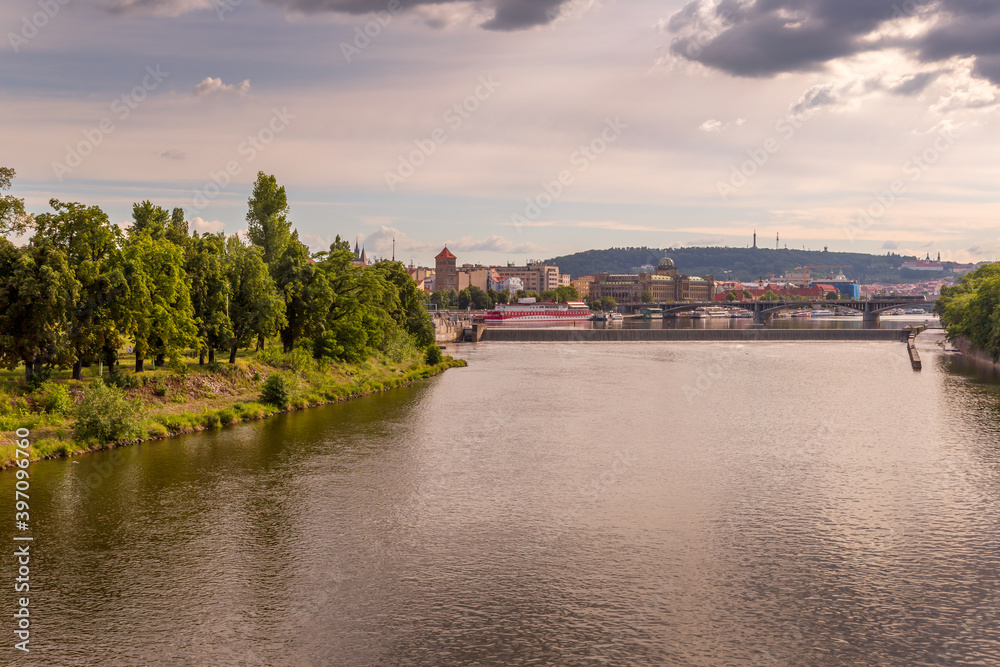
{"type": "Point", "coordinates": [745, 264]}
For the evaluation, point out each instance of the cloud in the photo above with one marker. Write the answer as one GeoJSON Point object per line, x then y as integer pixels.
{"type": "Point", "coordinates": [713, 125]}
{"type": "Point", "coordinates": [890, 245]}
{"type": "Point", "coordinates": [492, 244]}
{"type": "Point", "coordinates": [501, 15]}
{"type": "Point", "coordinates": [212, 86]}
{"type": "Point", "coordinates": [764, 38]}
{"type": "Point", "coordinates": [165, 8]}
{"type": "Point", "coordinates": [173, 154]}
{"type": "Point", "coordinates": [205, 226]}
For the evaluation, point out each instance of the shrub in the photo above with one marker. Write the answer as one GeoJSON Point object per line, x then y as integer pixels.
{"type": "Point", "coordinates": [227, 417]}
{"type": "Point", "coordinates": [116, 378]}
{"type": "Point", "coordinates": [433, 356]}
{"type": "Point", "coordinates": [39, 375]}
{"type": "Point", "coordinates": [210, 420]}
{"type": "Point", "coordinates": [53, 398]}
{"type": "Point", "coordinates": [277, 390]}
{"type": "Point", "coordinates": [105, 414]}
{"type": "Point", "coordinates": [156, 430]}
{"type": "Point", "coordinates": [159, 387]}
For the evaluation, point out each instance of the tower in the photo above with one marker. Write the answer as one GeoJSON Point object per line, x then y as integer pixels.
{"type": "Point", "coordinates": [446, 275]}
{"type": "Point", "coordinates": [777, 238]}
{"type": "Point", "coordinates": [755, 239]}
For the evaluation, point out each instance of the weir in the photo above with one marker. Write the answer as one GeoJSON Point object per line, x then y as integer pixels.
{"type": "Point", "coordinates": [500, 335]}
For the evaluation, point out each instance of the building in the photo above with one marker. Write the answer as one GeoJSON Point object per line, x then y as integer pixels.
{"type": "Point", "coordinates": [582, 286]}
{"type": "Point", "coordinates": [473, 275]}
{"type": "Point", "coordinates": [923, 265]}
{"type": "Point", "coordinates": [511, 285]}
{"type": "Point", "coordinates": [445, 273]}
{"type": "Point", "coordinates": [536, 277]}
{"type": "Point", "coordinates": [664, 284]}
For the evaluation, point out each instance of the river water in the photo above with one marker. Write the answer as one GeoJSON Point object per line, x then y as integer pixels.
{"type": "Point", "coordinates": [681, 504]}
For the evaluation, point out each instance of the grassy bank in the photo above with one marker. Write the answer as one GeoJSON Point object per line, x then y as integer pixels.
{"type": "Point", "coordinates": [164, 403]}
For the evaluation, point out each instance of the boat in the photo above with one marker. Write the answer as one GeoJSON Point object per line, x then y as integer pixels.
{"type": "Point", "coordinates": [822, 312]}
{"type": "Point", "coordinates": [601, 317]}
{"type": "Point", "coordinates": [651, 313]}
{"type": "Point", "coordinates": [700, 313]}
{"type": "Point", "coordinates": [802, 313]}
{"type": "Point", "coordinates": [616, 317]}
{"type": "Point", "coordinates": [529, 310]}
{"type": "Point", "coordinates": [739, 313]}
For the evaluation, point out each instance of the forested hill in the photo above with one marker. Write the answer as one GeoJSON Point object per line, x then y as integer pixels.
{"type": "Point", "coordinates": [744, 263]}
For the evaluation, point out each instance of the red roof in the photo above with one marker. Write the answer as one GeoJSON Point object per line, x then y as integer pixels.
{"type": "Point", "coordinates": [445, 254]}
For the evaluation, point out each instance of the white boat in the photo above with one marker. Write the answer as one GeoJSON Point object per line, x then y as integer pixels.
{"type": "Point", "coordinates": [822, 312]}
{"type": "Point", "coordinates": [528, 310]}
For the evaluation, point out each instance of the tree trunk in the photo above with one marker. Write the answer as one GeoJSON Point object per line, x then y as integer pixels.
{"type": "Point", "coordinates": [211, 355]}
{"type": "Point", "coordinates": [138, 362]}
{"type": "Point", "coordinates": [232, 355]}
{"type": "Point", "coordinates": [29, 367]}
{"type": "Point", "coordinates": [110, 357]}
{"type": "Point", "coordinates": [77, 370]}
{"type": "Point", "coordinates": [160, 359]}
{"type": "Point", "coordinates": [260, 343]}
{"type": "Point", "coordinates": [201, 357]}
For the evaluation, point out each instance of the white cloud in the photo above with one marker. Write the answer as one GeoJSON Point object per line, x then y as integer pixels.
{"type": "Point", "coordinates": [205, 226]}
{"type": "Point", "coordinates": [212, 86]}
{"type": "Point", "coordinates": [713, 125]}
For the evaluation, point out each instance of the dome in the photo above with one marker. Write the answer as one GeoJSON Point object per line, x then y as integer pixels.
{"type": "Point", "coordinates": [665, 263]}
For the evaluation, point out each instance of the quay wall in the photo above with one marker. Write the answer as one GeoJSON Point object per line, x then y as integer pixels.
{"type": "Point", "coordinates": [500, 335]}
{"type": "Point", "coordinates": [981, 357]}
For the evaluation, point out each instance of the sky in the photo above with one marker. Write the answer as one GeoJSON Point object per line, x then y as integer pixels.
{"type": "Point", "coordinates": [520, 129]}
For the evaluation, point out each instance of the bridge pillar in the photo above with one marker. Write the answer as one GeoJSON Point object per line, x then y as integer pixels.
{"type": "Point", "coordinates": [870, 317]}
{"type": "Point", "coordinates": [758, 314]}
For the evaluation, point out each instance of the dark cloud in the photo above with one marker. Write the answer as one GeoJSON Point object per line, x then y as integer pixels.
{"type": "Point", "coordinates": [507, 14]}
{"type": "Point", "coordinates": [915, 84]}
{"type": "Point", "coordinates": [759, 38]}
{"type": "Point", "coordinates": [890, 245]}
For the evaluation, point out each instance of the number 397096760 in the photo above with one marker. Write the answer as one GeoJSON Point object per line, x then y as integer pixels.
{"type": "Point", "coordinates": [22, 458]}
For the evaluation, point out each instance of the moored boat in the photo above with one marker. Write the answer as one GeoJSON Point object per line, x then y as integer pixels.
{"type": "Point", "coordinates": [528, 310]}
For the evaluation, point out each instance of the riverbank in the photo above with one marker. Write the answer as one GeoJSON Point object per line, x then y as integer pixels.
{"type": "Point", "coordinates": [540, 335]}
{"type": "Point", "coordinates": [207, 397]}
{"type": "Point", "coordinates": [973, 353]}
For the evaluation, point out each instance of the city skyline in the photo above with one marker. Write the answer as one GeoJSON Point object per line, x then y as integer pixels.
{"type": "Point", "coordinates": [563, 126]}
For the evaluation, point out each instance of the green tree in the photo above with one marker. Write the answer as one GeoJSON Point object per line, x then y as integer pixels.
{"type": "Point", "coordinates": [13, 218]}
{"type": "Point", "coordinates": [410, 313]}
{"type": "Point", "coordinates": [255, 304]}
{"type": "Point", "coordinates": [149, 219]}
{"type": "Point", "coordinates": [159, 315]}
{"type": "Point", "coordinates": [971, 309]}
{"type": "Point", "coordinates": [305, 290]}
{"type": "Point", "coordinates": [608, 304]}
{"type": "Point", "coordinates": [91, 245]}
{"type": "Point", "coordinates": [268, 226]}
{"type": "Point", "coordinates": [732, 296]}
{"type": "Point", "coordinates": [37, 290]}
{"type": "Point", "coordinates": [570, 293]}
{"type": "Point", "coordinates": [177, 229]}
{"type": "Point", "coordinates": [445, 299]}
{"type": "Point", "coordinates": [647, 297]}
{"type": "Point", "coordinates": [205, 265]}
{"type": "Point", "coordinates": [770, 296]}
{"type": "Point", "coordinates": [832, 295]}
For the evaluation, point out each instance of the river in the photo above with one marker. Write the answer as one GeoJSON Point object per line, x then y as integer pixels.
{"type": "Point", "coordinates": [683, 504]}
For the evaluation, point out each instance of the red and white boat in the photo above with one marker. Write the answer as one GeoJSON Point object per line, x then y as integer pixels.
{"type": "Point", "coordinates": [528, 311]}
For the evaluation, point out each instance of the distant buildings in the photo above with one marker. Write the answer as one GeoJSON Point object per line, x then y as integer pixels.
{"type": "Point", "coordinates": [924, 265]}
{"type": "Point", "coordinates": [536, 277]}
{"type": "Point", "coordinates": [582, 285]}
{"type": "Point", "coordinates": [664, 284]}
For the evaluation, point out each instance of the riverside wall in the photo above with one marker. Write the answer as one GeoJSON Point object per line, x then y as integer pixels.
{"type": "Point", "coordinates": [972, 352]}
{"type": "Point", "coordinates": [499, 335]}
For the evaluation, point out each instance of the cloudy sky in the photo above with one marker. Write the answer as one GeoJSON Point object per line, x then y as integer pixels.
{"type": "Point", "coordinates": [516, 129]}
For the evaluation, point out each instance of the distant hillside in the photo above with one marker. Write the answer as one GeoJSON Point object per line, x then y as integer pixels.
{"type": "Point", "coordinates": [744, 263]}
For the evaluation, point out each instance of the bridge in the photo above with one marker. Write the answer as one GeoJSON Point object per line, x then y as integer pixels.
{"type": "Point", "coordinates": [763, 311]}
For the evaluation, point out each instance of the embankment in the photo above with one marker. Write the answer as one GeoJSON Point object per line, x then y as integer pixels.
{"type": "Point", "coordinates": [975, 354]}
